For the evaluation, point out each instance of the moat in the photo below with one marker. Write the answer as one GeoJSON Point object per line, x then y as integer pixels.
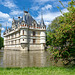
{"type": "Point", "coordinates": [10, 58]}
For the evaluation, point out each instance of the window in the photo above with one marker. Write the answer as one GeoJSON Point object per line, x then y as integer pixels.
{"type": "Point", "coordinates": [33, 33]}
{"type": "Point", "coordinates": [11, 42]}
{"type": "Point", "coordinates": [15, 35]}
{"type": "Point", "coordinates": [33, 41]}
{"type": "Point", "coordinates": [19, 40]}
{"type": "Point", "coordinates": [12, 36]}
{"type": "Point", "coordinates": [15, 41]}
{"type": "Point", "coordinates": [19, 33]}
{"type": "Point", "coordinates": [34, 25]}
{"type": "Point", "coordinates": [23, 32]}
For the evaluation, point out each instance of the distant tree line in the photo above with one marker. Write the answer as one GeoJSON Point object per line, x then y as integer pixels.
{"type": "Point", "coordinates": [1, 39]}
{"type": "Point", "coordinates": [1, 42]}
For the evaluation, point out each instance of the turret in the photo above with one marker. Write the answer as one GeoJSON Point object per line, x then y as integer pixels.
{"type": "Point", "coordinates": [6, 29]}
{"type": "Point", "coordinates": [23, 16]}
{"type": "Point", "coordinates": [13, 20]}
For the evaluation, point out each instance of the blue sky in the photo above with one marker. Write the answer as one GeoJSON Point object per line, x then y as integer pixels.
{"type": "Point", "coordinates": [14, 8]}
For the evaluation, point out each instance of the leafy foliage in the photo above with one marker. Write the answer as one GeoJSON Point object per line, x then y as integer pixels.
{"type": "Point", "coordinates": [51, 29]}
{"type": "Point", "coordinates": [63, 37]}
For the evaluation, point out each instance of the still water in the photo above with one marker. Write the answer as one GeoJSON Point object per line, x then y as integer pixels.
{"type": "Point", "coordinates": [10, 58]}
{"type": "Point", "coordinates": [1, 58]}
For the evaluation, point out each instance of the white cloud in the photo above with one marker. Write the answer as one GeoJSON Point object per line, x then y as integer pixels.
{"type": "Point", "coordinates": [38, 3]}
{"type": "Point", "coordinates": [2, 29]}
{"type": "Point", "coordinates": [4, 15]}
{"type": "Point", "coordinates": [57, 3]}
{"type": "Point", "coordinates": [65, 10]}
{"type": "Point", "coordinates": [9, 3]}
{"type": "Point", "coordinates": [10, 19]}
{"type": "Point", "coordinates": [8, 24]}
{"type": "Point", "coordinates": [12, 6]}
{"type": "Point", "coordinates": [5, 18]}
{"type": "Point", "coordinates": [47, 23]}
{"type": "Point", "coordinates": [47, 7]}
{"type": "Point", "coordinates": [35, 8]}
{"type": "Point", "coordinates": [16, 12]}
{"type": "Point", "coordinates": [49, 16]}
{"type": "Point", "coordinates": [43, 1]}
{"type": "Point", "coordinates": [2, 34]}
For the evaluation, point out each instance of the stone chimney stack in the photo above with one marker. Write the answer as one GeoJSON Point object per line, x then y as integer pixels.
{"type": "Point", "coordinates": [18, 18]}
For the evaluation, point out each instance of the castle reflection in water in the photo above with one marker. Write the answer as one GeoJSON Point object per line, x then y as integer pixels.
{"type": "Point", "coordinates": [25, 59]}
{"type": "Point", "coordinates": [12, 58]}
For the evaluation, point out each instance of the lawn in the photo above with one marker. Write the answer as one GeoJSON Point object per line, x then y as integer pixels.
{"type": "Point", "coordinates": [38, 71]}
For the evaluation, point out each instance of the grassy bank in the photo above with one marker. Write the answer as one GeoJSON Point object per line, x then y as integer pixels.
{"type": "Point", "coordinates": [38, 71]}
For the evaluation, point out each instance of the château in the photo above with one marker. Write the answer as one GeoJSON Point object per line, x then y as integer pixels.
{"type": "Point", "coordinates": [25, 34]}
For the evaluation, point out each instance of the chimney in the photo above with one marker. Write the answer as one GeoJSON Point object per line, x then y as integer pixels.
{"type": "Point", "coordinates": [18, 17]}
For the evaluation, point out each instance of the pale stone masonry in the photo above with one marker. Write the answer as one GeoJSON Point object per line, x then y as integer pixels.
{"type": "Point", "coordinates": [25, 34]}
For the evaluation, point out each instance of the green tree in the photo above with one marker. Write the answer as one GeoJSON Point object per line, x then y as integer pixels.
{"type": "Point", "coordinates": [1, 39]}
{"type": "Point", "coordinates": [63, 40]}
{"type": "Point", "coordinates": [51, 29]}
{"type": "Point", "coordinates": [55, 24]}
{"type": "Point", "coordinates": [1, 42]}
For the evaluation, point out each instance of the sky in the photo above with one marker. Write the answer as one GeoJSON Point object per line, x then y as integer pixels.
{"type": "Point", "coordinates": [15, 8]}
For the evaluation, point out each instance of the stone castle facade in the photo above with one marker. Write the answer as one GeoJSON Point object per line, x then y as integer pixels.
{"type": "Point", "coordinates": [25, 34]}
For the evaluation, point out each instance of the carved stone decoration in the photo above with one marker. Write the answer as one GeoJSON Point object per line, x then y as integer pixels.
{"type": "Point", "coordinates": [23, 46]}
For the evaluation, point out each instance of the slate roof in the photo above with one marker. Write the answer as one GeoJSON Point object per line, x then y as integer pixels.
{"type": "Point", "coordinates": [27, 18]}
